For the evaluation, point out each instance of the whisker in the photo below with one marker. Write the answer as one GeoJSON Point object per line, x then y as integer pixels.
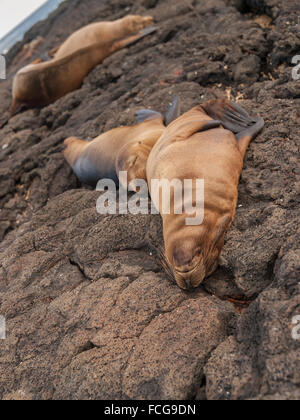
{"type": "Point", "coordinates": [166, 265]}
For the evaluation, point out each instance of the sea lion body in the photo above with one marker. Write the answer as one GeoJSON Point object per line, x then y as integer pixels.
{"type": "Point", "coordinates": [196, 146]}
{"type": "Point", "coordinates": [120, 149]}
{"type": "Point", "coordinates": [40, 84]}
{"type": "Point", "coordinates": [123, 149]}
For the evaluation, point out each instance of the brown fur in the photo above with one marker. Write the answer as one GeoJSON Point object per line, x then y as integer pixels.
{"type": "Point", "coordinates": [40, 84]}
{"type": "Point", "coordinates": [188, 149]}
{"type": "Point", "coordinates": [120, 149]}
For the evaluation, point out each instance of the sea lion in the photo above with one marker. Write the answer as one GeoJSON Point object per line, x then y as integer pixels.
{"type": "Point", "coordinates": [42, 83]}
{"type": "Point", "coordinates": [121, 149]}
{"type": "Point", "coordinates": [209, 142]}
{"type": "Point", "coordinates": [104, 32]}
{"type": "Point", "coordinates": [29, 49]}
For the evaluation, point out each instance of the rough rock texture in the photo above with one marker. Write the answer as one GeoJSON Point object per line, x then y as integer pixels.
{"type": "Point", "coordinates": [262, 355]}
{"type": "Point", "coordinates": [90, 312]}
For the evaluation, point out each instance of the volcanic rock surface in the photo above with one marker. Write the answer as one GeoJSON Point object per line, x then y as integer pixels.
{"type": "Point", "coordinates": [90, 312]}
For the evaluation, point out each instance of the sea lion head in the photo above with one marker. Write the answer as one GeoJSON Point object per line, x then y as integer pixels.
{"type": "Point", "coordinates": [136, 23]}
{"type": "Point", "coordinates": [191, 263]}
{"type": "Point", "coordinates": [192, 254]}
{"type": "Point", "coordinates": [188, 264]}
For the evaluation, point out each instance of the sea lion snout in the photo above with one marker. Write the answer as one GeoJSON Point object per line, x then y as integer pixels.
{"type": "Point", "coordinates": [191, 266]}
{"type": "Point", "coordinates": [187, 265]}
{"type": "Point", "coordinates": [189, 280]}
{"type": "Point", "coordinates": [184, 258]}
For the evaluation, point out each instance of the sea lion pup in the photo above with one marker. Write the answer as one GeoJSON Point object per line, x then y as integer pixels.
{"type": "Point", "coordinates": [42, 83]}
{"type": "Point", "coordinates": [121, 149]}
{"type": "Point", "coordinates": [207, 143]}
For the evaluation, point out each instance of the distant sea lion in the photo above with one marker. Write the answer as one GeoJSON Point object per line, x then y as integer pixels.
{"type": "Point", "coordinates": [103, 32]}
{"type": "Point", "coordinates": [28, 49]}
{"type": "Point", "coordinates": [209, 142]}
{"type": "Point", "coordinates": [121, 149]}
{"type": "Point", "coordinates": [40, 84]}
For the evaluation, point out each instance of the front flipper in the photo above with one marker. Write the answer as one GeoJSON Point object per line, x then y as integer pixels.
{"type": "Point", "coordinates": [235, 119]}
{"type": "Point", "coordinates": [172, 114]}
{"type": "Point", "coordinates": [147, 114]}
{"type": "Point", "coordinates": [132, 39]}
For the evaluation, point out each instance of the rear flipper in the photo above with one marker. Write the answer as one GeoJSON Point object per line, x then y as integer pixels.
{"type": "Point", "coordinates": [235, 119]}
{"type": "Point", "coordinates": [244, 137]}
{"type": "Point", "coordinates": [147, 114]}
{"type": "Point", "coordinates": [172, 114]}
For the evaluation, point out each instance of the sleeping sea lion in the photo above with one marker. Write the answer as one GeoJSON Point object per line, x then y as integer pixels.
{"type": "Point", "coordinates": [207, 143]}
{"type": "Point", "coordinates": [121, 149]}
{"type": "Point", "coordinates": [42, 83]}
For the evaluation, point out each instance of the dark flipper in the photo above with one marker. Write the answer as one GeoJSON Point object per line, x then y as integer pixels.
{"type": "Point", "coordinates": [146, 114]}
{"type": "Point", "coordinates": [147, 31]}
{"type": "Point", "coordinates": [171, 115]}
{"type": "Point", "coordinates": [173, 112]}
{"type": "Point", "coordinates": [132, 39]}
{"type": "Point", "coordinates": [245, 137]}
{"type": "Point", "coordinates": [257, 125]}
{"type": "Point", "coordinates": [5, 122]}
{"type": "Point", "coordinates": [235, 119]}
